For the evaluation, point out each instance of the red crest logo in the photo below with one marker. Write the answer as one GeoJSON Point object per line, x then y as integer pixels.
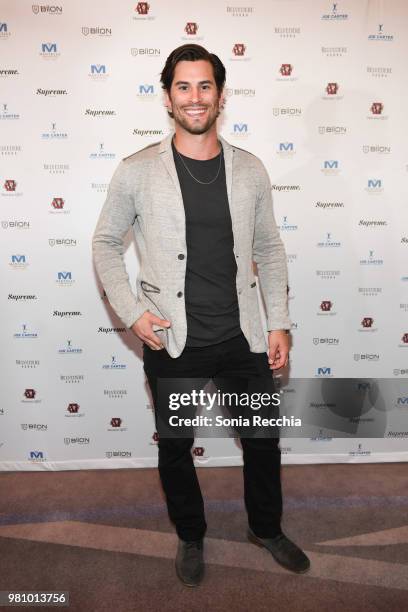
{"type": "Point", "coordinates": [377, 108]}
{"type": "Point", "coordinates": [326, 305]}
{"type": "Point", "coordinates": [405, 338]}
{"type": "Point", "coordinates": [116, 422]}
{"type": "Point", "coordinates": [198, 451]}
{"type": "Point", "coordinates": [142, 8]}
{"type": "Point", "coordinates": [58, 203]}
{"type": "Point", "coordinates": [239, 49]}
{"type": "Point", "coordinates": [10, 185]}
{"type": "Point", "coordinates": [367, 322]}
{"type": "Point", "coordinates": [30, 393]}
{"type": "Point", "coordinates": [191, 28]}
{"type": "Point", "coordinates": [73, 408]}
{"type": "Point", "coordinates": [332, 88]}
{"type": "Point", "coordinates": [155, 436]}
{"type": "Point", "coordinates": [286, 69]}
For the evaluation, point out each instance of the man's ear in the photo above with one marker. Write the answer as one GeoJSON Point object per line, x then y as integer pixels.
{"type": "Point", "coordinates": [167, 101]}
{"type": "Point", "coordinates": [222, 99]}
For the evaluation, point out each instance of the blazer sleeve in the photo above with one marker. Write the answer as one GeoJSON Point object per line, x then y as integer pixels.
{"type": "Point", "coordinates": [117, 216]}
{"type": "Point", "coordinates": [270, 257]}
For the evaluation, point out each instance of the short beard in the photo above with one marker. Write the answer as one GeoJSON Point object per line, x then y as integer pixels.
{"type": "Point", "coordinates": [199, 130]}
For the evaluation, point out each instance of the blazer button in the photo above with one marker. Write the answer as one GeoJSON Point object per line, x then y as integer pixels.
{"type": "Point", "coordinates": [180, 256]}
{"type": "Point", "coordinates": [180, 294]}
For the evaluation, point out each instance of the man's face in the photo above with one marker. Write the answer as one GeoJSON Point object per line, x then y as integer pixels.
{"type": "Point", "coordinates": [193, 98]}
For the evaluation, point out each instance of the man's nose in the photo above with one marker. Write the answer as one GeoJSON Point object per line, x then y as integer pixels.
{"type": "Point", "coordinates": [195, 95]}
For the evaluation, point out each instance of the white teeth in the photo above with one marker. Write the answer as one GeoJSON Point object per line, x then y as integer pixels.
{"type": "Point", "coordinates": [195, 112]}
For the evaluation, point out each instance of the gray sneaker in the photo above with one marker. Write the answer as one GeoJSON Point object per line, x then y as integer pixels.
{"type": "Point", "coordinates": [284, 551]}
{"type": "Point", "coordinates": [189, 562]}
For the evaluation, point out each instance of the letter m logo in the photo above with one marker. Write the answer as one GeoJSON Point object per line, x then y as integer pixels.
{"type": "Point", "coordinates": [36, 455]}
{"type": "Point", "coordinates": [64, 275]}
{"type": "Point", "coordinates": [240, 128]}
{"type": "Point", "coordinates": [374, 183]}
{"type": "Point", "coordinates": [286, 146]}
{"type": "Point", "coordinates": [98, 69]}
{"type": "Point", "coordinates": [146, 89]}
{"type": "Point", "coordinates": [324, 371]}
{"type": "Point", "coordinates": [3, 27]}
{"type": "Point", "coordinates": [331, 163]}
{"type": "Point", "coordinates": [18, 258]}
{"type": "Point", "coordinates": [402, 401]}
{"type": "Point", "coordinates": [49, 47]}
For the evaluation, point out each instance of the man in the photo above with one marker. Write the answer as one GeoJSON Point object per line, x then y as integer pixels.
{"type": "Point", "coordinates": [202, 213]}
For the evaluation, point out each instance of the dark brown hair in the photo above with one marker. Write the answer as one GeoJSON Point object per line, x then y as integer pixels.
{"type": "Point", "coordinates": [192, 53]}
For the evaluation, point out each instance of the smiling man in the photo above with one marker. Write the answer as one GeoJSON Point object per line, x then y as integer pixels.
{"type": "Point", "coordinates": [202, 213]}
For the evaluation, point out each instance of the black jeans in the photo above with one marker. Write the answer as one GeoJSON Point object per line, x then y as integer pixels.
{"type": "Point", "coordinates": [261, 456]}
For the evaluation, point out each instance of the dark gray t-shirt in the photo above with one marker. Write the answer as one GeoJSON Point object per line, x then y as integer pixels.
{"type": "Point", "coordinates": [210, 289]}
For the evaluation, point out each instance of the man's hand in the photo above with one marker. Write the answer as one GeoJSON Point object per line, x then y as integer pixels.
{"type": "Point", "coordinates": [278, 354]}
{"type": "Point", "coordinates": [143, 328]}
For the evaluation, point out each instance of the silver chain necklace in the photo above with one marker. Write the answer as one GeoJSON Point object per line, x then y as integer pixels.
{"type": "Point", "coordinates": [192, 175]}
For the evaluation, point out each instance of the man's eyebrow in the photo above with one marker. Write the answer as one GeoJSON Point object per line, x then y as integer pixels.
{"type": "Point", "coordinates": [187, 82]}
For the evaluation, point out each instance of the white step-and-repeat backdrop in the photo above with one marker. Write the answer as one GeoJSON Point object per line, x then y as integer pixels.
{"type": "Point", "coordinates": [317, 90]}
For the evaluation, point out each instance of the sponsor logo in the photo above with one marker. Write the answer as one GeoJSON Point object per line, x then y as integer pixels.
{"type": "Point", "coordinates": [114, 365]}
{"type": "Point", "coordinates": [6, 72]}
{"type": "Point", "coordinates": [366, 325]}
{"type": "Point", "coordinates": [10, 189]}
{"type": "Point", "coordinates": [335, 14]}
{"type": "Point", "coordinates": [34, 426]}
{"type": "Point", "coordinates": [372, 223]}
{"type": "Point", "coordinates": [366, 356]}
{"type": "Point", "coordinates": [27, 363]}
{"type": "Point", "coordinates": [285, 72]}
{"type": "Point", "coordinates": [52, 93]}
{"type": "Point", "coordinates": [286, 226]}
{"type": "Point", "coordinates": [329, 205]}
{"type": "Point", "coordinates": [374, 186]}
{"type": "Point", "coordinates": [379, 149]}
{"type": "Point", "coordinates": [72, 378]}
{"type": "Point", "coordinates": [326, 308]}
{"type": "Point", "coordinates": [328, 274]}
{"type": "Point", "coordinates": [56, 168]}
{"type": "Point", "coordinates": [4, 31]}
{"type": "Point", "coordinates": [327, 341]}
{"type": "Point", "coordinates": [54, 134]}
{"type": "Point", "coordinates": [240, 11]}
{"type": "Point", "coordinates": [112, 330]}
{"type": "Point", "coordinates": [101, 153]}
{"type": "Point", "coordinates": [330, 167]}
{"type": "Point", "coordinates": [371, 260]}
{"type": "Point", "coordinates": [46, 8]}
{"type": "Point", "coordinates": [96, 30]}
{"type": "Point", "coordinates": [37, 456]}
{"type": "Point", "coordinates": [191, 28]}
{"type": "Point", "coordinates": [381, 35]}
{"type": "Point", "coordinates": [376, 110]}
{"type": "Point", "coordinates": [321, 437]}
{"type": "Point", "coordinates": [30, 397]}
{"type": "Point", "coordinates": [73, 411]}
{"type": "Point", "coordinates": [379, 71]}
{"type": "Point", "coordinates": [239, 52]}
{"type": "Point", "coordinates": [25, 333]}
{"type": "Point", "coordinates": [92, 112]}
{"type": "Point", "coordinates": [333, 130]}
{"type": "Point", "coordinates": [286, 150]}
{"type": "Point", "coordinates": [115, 393]}
{"type": "Point", "coordinates": [114, 454]}
{"type": "Point", "coordinates": [240, 130]}
{"type": "Point", "coordinates": [283, 32]}
{"type": "Point", "coordinates": [15, 225]}
{"type": "Point", "coordinates": [67, 313]}
{"type": "Point", "coordinates": [98, 72]}
{"type": "Point", "coordinates": [323, 371]}
{"type": "Point", "coordinates": [62, 242]}
{"type": "Point", "coordinates": [284, 188]}
{"type": "Point", "coordinates": [370, 291]}
{"type": "Point", "coordinates": [244, 92]}
{"type": "Point", "coordinates": [49, 51]}
{"type": "Point", "coordinates": [286, 112]}
{"type": "Point", "coordinates": [64, 279]}
{"type": "Point", "coordinates": [69, 349]}
{"type": "Point", "coordinates": [77, 440]}
{"type": "Point", "coordinates": [6, 115]}
{"type": "Point", "coordinates": [18, 262]}
{"type": "Point", "coordinates": [23, 297]}
{"type": "Point", "coordinates": [142, 12]}
{"type": "Point", "coordinates": [143, 132]}
{"type": "Point", "coordinates": [8, 150]}
{"type": "Point", "coordinates": [334, 51]}
{"type": "Point", "coordinates": [116, 424]}
{"type": "Point", "coordinates": [329, 242]}
{"type": "Point", "coordinates": [359, 452]}
{"type": "Point", "coordinates": [146, 92]}
{"type": "Point", "coordinates": [100, 187]}
{"type": "Point", "coordinates": [145, 52]}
